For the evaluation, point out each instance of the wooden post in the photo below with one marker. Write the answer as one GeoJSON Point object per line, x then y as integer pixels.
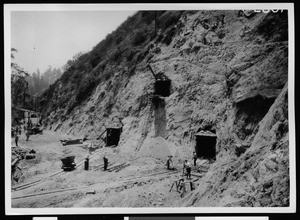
{"type": "Point", "coordinates": [183, 189]}
{"type": "Point", "coordinates": [172, 186]}
{"type": "Point", "coordinates": [106, 138]}
{"type": "Point", "coordinates": [152, 71]}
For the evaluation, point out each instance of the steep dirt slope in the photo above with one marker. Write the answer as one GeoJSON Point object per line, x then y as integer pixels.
{"type": "Point", "coordinates": [226, 72]}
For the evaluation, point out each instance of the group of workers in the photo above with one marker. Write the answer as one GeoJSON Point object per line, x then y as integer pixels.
{"type": "Point", "coordinates": [18, 132]}
{"type": "Point", "coordinates": [186, 165]}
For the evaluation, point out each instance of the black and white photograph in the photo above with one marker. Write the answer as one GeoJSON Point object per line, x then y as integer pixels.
{"type": "Point", "coordinates": [128, 108]}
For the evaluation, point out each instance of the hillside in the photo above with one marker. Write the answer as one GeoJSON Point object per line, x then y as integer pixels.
{"type": "Point", "coordinates": [228, 77]}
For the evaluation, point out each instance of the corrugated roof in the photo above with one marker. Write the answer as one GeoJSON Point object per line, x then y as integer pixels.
{"type": "Point", "coordinates": [206, 133]}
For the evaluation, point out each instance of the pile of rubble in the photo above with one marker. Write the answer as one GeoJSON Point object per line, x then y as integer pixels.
{"type": "Point", "coordinates": [21, 153]}
{"type": "Point", "coordinates": [18, 154]}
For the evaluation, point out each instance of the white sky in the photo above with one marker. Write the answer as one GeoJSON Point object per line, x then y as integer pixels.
{"type": "Point", "coordinates": [45, 38]}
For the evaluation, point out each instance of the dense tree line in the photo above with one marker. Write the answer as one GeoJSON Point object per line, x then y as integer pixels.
{"type": "Point", "coordinates": [39, 82]}
{"type": "Point", "coordinates": [25, 87]}
{"type": "Point", "coordinates": [19, 85]}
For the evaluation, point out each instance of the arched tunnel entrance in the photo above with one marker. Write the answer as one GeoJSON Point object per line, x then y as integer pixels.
{"type": "Point", "coordinates": [206, 145]}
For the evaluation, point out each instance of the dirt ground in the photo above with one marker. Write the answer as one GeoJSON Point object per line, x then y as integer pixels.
{"type": "Point", "coordinates": [144, 182]}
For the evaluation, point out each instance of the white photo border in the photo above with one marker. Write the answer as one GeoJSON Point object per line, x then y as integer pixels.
{"type": "Point", "coordinates": [8, 8]}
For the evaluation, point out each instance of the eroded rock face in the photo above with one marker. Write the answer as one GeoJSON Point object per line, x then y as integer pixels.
{"type": "Point", "coordinates": [260, 177]}
{"type": "Point", "coordinates": [227, 74]}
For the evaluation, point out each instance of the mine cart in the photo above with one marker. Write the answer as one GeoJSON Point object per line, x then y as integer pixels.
{"type": "Point", "coordinates": [68, 163]}
{"type": "Point", "coordinates": [36, 130]}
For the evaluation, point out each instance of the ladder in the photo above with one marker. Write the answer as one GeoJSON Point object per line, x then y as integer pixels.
{"type": "Point", "coordinates": [145, 126]}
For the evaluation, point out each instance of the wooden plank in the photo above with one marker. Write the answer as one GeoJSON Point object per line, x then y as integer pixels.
{"type": "Point", "coordinates": [14, 162]}
{"type": "Point", "coordinates": [126, 165]}
{"type": "Point", "coordinates": [44, 193]}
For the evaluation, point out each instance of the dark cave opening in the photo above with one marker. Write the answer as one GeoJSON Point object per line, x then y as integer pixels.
{"type": "Point", "coordinates": [113, 136]}
{"type": "Point", "coordinates": [250, 112]}
{"type": "Point", "coordinates": [206, 145]}
{"type": "Point", "coordinates": [162, 87]}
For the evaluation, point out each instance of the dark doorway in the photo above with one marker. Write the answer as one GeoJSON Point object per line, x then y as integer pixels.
{"type": "Point", "coordinates": [162, 87]}
{"type": "Point", "coordinates": [206, 146]}
{"type": "Point", "coordinates": [113, 136]}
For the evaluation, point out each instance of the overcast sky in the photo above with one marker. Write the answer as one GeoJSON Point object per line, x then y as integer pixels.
{"type": "Point", "coordinates": [53, 37]}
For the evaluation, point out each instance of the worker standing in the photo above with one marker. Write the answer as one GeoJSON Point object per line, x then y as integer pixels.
{"type": "Point", "coordinates": [27, 134]}
{"type": "Point", "coordinates": [195, 158]}
{"type": "Point", "coordinates": [105, 160]}
{"type": "Point", "coordinates": [170, 163]}
{"type": "Point", "coordinates": [86, 162]}
{"type": "Point", "coordinates": [187, 167]}
{"type": "Point", "coordinates": [16, 138]}
{"type": "Point", "coordinates": [91, 146]}
{"type": "Point", "coordinates": [18, 129]}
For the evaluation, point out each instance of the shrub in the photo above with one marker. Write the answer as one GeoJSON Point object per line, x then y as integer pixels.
{"type": "Point", "coordinates": [85, 90]}
{"type": "Point", "coordinates": [139, 38]}
{"type": "Point", "coordinates": [170, 18]}
{"type": "Point", "coordinates": [148, 16]}
{"type": "Point", "coordinates": [117, 56]}
{"type": "Point", "coordinates": [131, 55]}
{"type": "Point", "coordinates": [119, 40]}
{"type": "Point", "coordinates": [169, 36]}
{"type": "Point", "coordinates": [141, 55]}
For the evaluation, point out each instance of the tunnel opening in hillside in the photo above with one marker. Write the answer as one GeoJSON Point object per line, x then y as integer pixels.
{"type": "Point", "coordinates": [162, 87]}
{"type": "Point", "coordinates": [206, 145]}
{"type": "Point", "coordinates": [160, 120]}
{"type": "Point", "coordinates": [113, 136]}
{"type": "Point", "coordinates": [250, 111]}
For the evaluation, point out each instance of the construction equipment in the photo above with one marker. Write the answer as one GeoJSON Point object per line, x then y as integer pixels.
{"type": "Point", "coordinates": [30, 184]}
{"type": "Point", "coordinates": [180, 185]}
{"type": "Point", "coordinates": [36, 129]}
{"type": "Point", "coordinates": [68, 163]}
{"type": "Point", "coordinates": [29, 156]}
{"type": "Point", "coordinates": [100, 136]}
{"type": "Point", "coordinates": [71, 141]}
{"type": "Point", "coordinates": [155, 76]}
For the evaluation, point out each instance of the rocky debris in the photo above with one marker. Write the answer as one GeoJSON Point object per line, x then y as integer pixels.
{"type": "Point", "coordinates": [19, 152]}
{"type": "Point", "coordinates": [156, 148]}
{"type": "Point", "coordinates": [260, 176]}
